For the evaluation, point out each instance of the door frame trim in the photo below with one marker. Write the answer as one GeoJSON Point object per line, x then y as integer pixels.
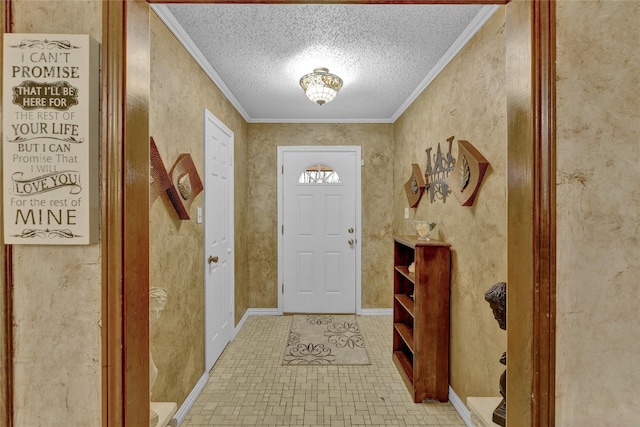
{"type": "Point", "coordinates": [358, 234]}
{"type": "Point", "coordinates": [208, 115]}
{"type": "Point", "coordinates": [119, 378]}
{"type": "Point", "coordinates": [124, 154]}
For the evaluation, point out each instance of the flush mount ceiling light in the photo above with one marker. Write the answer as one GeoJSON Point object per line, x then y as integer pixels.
{"type": "Point", "coordinates": [321, 86]}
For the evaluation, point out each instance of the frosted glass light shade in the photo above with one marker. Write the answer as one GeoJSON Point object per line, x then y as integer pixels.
{"type": "Point", "coordinates": [321, 86]}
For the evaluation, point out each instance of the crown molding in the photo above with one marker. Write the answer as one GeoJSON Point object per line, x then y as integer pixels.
{"type": "Point", "coordinates": [178, 31]}
{"type": "Point", "coordinates": [474, 26]}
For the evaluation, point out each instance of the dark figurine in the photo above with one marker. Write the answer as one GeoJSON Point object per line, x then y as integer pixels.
{"type": "Point", "coordinates": [497, 298]}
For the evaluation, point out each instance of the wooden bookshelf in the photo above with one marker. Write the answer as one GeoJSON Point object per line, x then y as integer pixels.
{"type": "Point", "coordinates": [421, 316]}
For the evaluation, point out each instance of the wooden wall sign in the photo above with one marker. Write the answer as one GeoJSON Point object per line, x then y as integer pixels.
{"type": "Point", "coordinates": [50, 139]}
{"type": "Point", "coordinates": [464, 181]}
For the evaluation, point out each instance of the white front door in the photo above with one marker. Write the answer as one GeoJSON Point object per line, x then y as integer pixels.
{"type": "Point", "coordinates": [218, 247]}
{"type": "Point", "coordinates": [320, 230]}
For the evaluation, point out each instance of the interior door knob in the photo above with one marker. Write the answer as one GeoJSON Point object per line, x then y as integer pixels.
{"type": "Point", "coordinates": [351, 242]}
{"type": "Point", "coordinates": [212, 259]}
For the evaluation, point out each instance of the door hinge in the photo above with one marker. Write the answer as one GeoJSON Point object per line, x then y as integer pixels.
{"type": "Point", "coordinates": [283, 229]}
{"type": "Point", "coordinates": [282, 170]}
{"type": "Point", "coordinates": [283, 288]}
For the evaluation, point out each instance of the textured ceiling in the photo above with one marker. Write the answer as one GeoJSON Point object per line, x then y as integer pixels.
{"type": "Point", "coordinates": [385, 54]}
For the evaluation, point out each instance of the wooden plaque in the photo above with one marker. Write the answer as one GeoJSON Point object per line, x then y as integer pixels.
{"type": "Point", "coordinates": [464, 181]}
{"type": "Point", "coordinates": [159, 180]}
{"type": "Point", "coordinates": [186, 185]}
{"type": "Point", "coordinates": [415, 186]}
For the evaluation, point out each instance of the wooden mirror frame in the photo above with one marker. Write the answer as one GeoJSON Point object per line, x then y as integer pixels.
{"type": "Point", "coordinates": [125, 249]}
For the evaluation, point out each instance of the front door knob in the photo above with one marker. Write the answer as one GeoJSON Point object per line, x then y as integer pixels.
{"type": "Point", "coordinates": [351, 242]}
{"type": "Point", "coordinates": [212, 259]}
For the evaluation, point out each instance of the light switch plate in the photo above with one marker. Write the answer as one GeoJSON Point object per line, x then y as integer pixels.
{"type": "Point", "coordinates": [406, 213]}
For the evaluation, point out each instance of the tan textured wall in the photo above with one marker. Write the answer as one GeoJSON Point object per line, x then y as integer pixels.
{"type": "Point", "coordinates": [598, 212]}
{"type": "Point", "coordinates": [176, 260]}
{"type": "Point", "coordinates": [467, 100]}
{"type": "Point", "coordinates": [377, 175]}
{"type": "Point", "coordinates": [57, 291]}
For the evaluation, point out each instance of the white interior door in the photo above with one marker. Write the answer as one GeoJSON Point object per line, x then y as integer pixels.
{"type": "Point", "coordinates": [218, 248]}
{"type": "Point", "coordinates": [320, 230]}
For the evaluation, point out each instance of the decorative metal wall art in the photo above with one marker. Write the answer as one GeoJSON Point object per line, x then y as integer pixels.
{"type": "Point", "coordinates": [467, 174]}
{"type": "Point", "coordinates": [415, 186]}
{"type": "Point", "coordinates": [438, 168]}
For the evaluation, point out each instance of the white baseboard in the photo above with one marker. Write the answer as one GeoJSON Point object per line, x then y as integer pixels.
{"type": "Point", "coordinates": [197, 389]}
{"type": "Point", "coordinates": [255, 312]}
{"type": "Point", "coordinates": [191, 399]}
{"type": "Point", "coordinates": [274, 312]}
{"type": "Point", "coordinates": [376, 312]}
{"type": "Point", "coordinates": [461, 408]}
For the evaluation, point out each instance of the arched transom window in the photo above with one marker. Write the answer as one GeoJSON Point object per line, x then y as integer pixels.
{"type": "Point", "coordinates": [319, 174]}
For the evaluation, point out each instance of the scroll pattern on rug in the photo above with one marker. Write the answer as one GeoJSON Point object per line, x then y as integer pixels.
{"type": "Point", "coordinates": [325, 340]}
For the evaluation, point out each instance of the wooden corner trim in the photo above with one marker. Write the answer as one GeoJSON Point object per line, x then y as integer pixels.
{"type": "Point", "coordinates": [6, 300]}
{"type": "Point", "coordinates": [544, 295]}
{"type": "Point", "coordinates": [110, 185]}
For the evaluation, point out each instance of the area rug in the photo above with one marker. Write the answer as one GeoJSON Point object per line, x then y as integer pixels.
{"type": "Point", "coordinates": [325, 340]}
